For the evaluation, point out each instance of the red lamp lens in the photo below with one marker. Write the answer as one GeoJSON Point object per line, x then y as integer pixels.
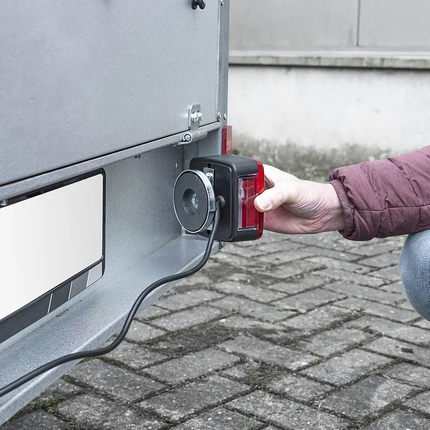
{"type": "Point", "coordinates": [227, 133]}
{"type": "Point", "coordinates": [249, 188]}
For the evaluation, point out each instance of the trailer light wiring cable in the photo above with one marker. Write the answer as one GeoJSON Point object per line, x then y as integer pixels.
{"type": "Point", "coordinates": [220, 202]}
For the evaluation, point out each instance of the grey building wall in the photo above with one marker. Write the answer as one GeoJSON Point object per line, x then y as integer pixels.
{"type": "Point", "coordinates": [331, 24]}
{"type": "Point", "coordinates": [340, 33]}
{"type": "Point", "coordinates": [374, 90]}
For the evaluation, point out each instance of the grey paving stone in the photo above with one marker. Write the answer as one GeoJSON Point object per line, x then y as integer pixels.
{"type": "Point", "coordinates": [336, 263]}
{"type": "Point", "coordinates": [277, 246]}
{"type": "Point", "coordinates": [175, 302]}
{"type": "Point", "coordinates": [283, 257]}
{"type": "Point", "coordinates": [395, 287]}
{"type": "Point", "coordinates": [366, 397]}
{"type": "Point", "coordinates": [336, 254]}
{"type": "Point", "coordinates": [185, 319]}
{"type": "Point", "coordinates": [333, 341]}
{"type": "Point", "coordinates": [230, 259]}
{"type": "Point", "coordinates": [398, 349]}
{"type": "Point", "coordinates": [198, 279]}
{"type": "Point", "coordinates": [192, 366]}
{"type": "Point", "coordinates": [393, 329]}
{"type": "Point", "coordinates": [236, 276]}
{"type": "Point", "coordinates": [362, 292]}
{"type": "Point", "coordinates": [297, 387]}
{"type": "Point", "coordinates": [420, 403]}
{"type": "Point", "coordinates": [376, 247]}
{"type": "Point", "coordinates": [400, 420]}
{"type": "Point", "coordinates": [135, 356]}
{"type": "Point", "coordinates": [405, 304]}
{"type": "Point", "coordinates": [346, 368]}
{"type": "Point", "coordinates": [190, 399]}
{"type": "Point", "coordinates": [422, 323]}
{"type": "Point", "coordinates": [329, 240]}
{"type": "Point", "coordinates": [298, 285]}
{"type": "Point", "coordinates": [308, 300]}
{"type": "Point", "coordinates": [141, 332]}
{"type": "Point", "coordinates": [221, 419]}
{"type": "Point", "coordinates": [416, 375]}
{"type": "Point", "coordinates": [250, 325]}
{"type": "Point", "coordinates": [264, 376]}
{"type": "Point", "coordinates": [378, 309]}
{"type": "Point", "coordinates": [317, 319]}
{"type": "Point", "coordinates": [381, 261]}
{"type": "Point", "coordinates": [102, 413]}
{"type": "Point", "coordinates": [116, 381]}
{"type": "Point", "coordinates": [286, 413]}
{"type": "Point", "coordinates": [243, 372]}
{"type": "Point", "coordinates": [248, 251]}
{"type": "Point", "coordinates": [152, 311]}
{"type": "Point", "coordinates": [391, 273]}
{"type": "Point", "coordinates": [355, 278]}
{"type": "Point", "coordinates": [289, 270]}
{"type": "Point", "coordinates": [253, 309]}
{"type": "Point", "coordinates": [194, 339]}
{"type": "Point", "coordinates": [38, 420]}
{"type": "Point", "coordinates": [268, 352]}
{"type": "Point", "coordinates": [55, 393]}
{"type": "Point", "coordinates": [248, 291]}
{"type": "Point", "coordinates": [268, 237]}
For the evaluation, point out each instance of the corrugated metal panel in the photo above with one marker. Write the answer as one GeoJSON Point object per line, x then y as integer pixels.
{"type": "Point", "coordinates": [395, 23]}
{"type": "Point", "coordinates": [291, 24]}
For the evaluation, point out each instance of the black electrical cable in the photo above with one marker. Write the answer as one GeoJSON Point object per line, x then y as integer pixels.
{"type": "Point", "coordinates": [105, 350]}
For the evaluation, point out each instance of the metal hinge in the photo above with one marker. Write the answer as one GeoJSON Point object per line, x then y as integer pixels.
{"type": "Point", "coordinates": [195, 117]}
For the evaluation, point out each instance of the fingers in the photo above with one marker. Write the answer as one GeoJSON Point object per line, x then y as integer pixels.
{"type": "Point", "coordinates": [271, 199]}
{"type": "Point", "coordinates": [282, 190]}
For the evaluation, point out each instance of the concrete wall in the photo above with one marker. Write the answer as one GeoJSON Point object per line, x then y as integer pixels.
{"type": "Point", "coordinates": [326, 107]}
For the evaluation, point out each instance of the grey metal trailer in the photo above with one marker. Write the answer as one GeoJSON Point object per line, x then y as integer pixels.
{"type": "Point", "coordinates": [102, 104]}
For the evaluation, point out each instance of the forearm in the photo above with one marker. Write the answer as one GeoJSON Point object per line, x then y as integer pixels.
{"type": "Point", "coordinates": [385, 197]}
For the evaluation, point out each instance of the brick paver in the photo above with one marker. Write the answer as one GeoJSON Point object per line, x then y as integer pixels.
{"type": "Point", "coordinates": [287, 333]}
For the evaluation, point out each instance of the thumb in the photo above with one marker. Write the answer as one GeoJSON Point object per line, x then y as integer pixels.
{"type": "Point", "coordinates": [274, 197]}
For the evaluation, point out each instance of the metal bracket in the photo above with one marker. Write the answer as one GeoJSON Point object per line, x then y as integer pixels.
{"type": "Point", "coordinates": [195, 117]}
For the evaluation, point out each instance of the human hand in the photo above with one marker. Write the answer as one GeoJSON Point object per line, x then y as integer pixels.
{"type": "Point", "coordinates": [292, 205]}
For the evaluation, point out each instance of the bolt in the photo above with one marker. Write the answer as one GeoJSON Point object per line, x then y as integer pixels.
{"type": "Point", "coordinates": [218, 116]}
{"type": "Point", "coordinates": [222, 2]}
{"type": "Point", "coordinates": [187, 137]}
{"type": "Point", "coordinates": [3, 203]}
{"type": "Point", "coordinates": [225, 116]}
{"type": "Point", "coordinates": [176, 165]}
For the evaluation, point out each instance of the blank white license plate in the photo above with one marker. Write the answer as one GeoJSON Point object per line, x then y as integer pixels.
{"type": "Point", "coordinates": [52, 246]}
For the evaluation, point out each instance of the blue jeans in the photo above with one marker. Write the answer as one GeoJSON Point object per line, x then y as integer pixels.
{"type": "Point", "coordinates": [415, 271]}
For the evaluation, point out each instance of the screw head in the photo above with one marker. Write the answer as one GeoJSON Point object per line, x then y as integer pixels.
{"type": "Point", "coordinates": [225, 116]}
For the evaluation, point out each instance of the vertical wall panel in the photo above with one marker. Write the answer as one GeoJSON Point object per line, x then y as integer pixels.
{"type": "Point", "coordinates": [395, 24]}
{"type": "Point", "coordinates": [293, 24]}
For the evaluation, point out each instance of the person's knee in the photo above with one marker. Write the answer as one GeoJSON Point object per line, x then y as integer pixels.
{"type": "Point", "coordinates": [415, 271]}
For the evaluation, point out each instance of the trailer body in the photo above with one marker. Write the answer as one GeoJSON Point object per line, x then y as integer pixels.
{"type": "Point", "coordinates": [103, 93]}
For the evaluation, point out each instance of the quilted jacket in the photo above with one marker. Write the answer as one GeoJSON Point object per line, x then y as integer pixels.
{"type": "Point", "coordinates": [385, 197]}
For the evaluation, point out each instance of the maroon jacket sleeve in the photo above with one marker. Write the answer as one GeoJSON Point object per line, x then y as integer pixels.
{"type": "Point", "coordinates": [385, 197]}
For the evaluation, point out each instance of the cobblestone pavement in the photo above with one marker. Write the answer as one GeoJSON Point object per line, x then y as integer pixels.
{"type": "Point", "coordinates": [297, 332]}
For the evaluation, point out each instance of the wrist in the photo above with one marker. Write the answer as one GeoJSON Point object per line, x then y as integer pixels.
{"type": "Point", "coordinates": [335, 216]}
